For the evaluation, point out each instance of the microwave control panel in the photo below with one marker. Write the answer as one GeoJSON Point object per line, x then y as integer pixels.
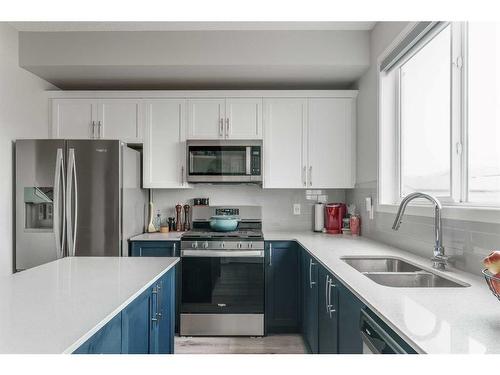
{"type": "Point", "coordinates": [256, 160]}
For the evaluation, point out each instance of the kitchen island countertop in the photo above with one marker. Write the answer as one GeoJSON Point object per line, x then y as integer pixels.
{"type": "Point", "coordinates": [55, 307]}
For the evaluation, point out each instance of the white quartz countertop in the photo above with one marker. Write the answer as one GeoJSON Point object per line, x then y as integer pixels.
{"type": "Point", "coordinates": [431, 320]}
{"type": "Point", "coordinates": [55, 307]}
{"type": "Point", "coordinates": [170, 236]}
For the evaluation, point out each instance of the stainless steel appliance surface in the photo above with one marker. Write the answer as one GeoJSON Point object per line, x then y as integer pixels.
{"type": "Point", "coordinates": [75, 198]}
{"type": "Point", "coordinates": [224, 161]}
{"type": "Point", "coordinates": [223, 275]}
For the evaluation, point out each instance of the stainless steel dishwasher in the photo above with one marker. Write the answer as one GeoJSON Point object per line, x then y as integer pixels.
{"type": "Point", "coordinates": [378, 339]}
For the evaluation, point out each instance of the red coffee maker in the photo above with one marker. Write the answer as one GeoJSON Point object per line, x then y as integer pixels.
{"type": "Point", "coordinates": [334, 213]}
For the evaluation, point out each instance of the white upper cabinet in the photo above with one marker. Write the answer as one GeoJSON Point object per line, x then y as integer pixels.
{"type": "Point", "coordinates": [74, 118]}
{"type": "Point", "coordinates": [309, 143]}
{"type": "Point", "coordinates": [284, 156]}
{"type": "Point", "coordinates": [229, 118]}
{"type": "Point", "coordinates": [243, 118]}
{"type": "Point", "coordinates": [164, 153]}
{"type": "Point", "coordinates": [206, 118]}
{"type": "Point", "coordinates": [96, 119]}
{"type": "Point", "coordinates": [331, 153]}
{"type": "Point", "coordinates": [119, 119]}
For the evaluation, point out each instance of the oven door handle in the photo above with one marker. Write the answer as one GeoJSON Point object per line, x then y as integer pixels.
{"type": "Point", "coordinates": [222, 253]}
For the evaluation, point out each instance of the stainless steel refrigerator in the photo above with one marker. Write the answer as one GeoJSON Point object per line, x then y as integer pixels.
{"type": "Point", "coordinates": [75, 198]}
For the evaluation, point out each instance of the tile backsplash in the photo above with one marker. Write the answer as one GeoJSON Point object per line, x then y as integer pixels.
{"type": "Point", "coordinates": [277, 204]}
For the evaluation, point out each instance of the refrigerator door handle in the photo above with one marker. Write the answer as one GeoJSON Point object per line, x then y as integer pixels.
{"type": "Point", "coordinates": [71, 218]}
{"type": "Point", "coordinates": [58, 178]}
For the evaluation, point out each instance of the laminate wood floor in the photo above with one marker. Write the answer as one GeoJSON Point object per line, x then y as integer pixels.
{"type": "Point", "coordinates": [271, 344]}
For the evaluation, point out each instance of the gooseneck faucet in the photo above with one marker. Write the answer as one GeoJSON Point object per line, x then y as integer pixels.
{"type": "Point", "coordinates": [439, 260]}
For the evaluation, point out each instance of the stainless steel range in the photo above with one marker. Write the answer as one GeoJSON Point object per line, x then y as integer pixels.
{"type": "Point", "coordinates": [223, 275]}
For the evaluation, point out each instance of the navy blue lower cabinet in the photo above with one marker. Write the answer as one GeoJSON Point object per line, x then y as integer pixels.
{"type": "Point", "coordinates": [136, 319]}
{"type": "Point", "coordinates": [165, 324]}
{"type": "Point", "coordinates": [108, 340]}
{"type": "Point", "coordinates": [350, 306]}
{"type": "Point", "coordinates": [145, 326]}
{"type": "Point", "coordinates": [154, 248]}
{"type": "Point", "coordinates": [328, 312]}
{"type": "Point", "coordinates": [309, 281]}
{"type": "Point", "coordinates": [282, 307]}
{"type": "Point", "coordinates": [162, 249]}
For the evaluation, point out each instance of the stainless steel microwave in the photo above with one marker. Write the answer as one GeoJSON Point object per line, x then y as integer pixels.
{"type": "Point", "coordinates": [224, 161]}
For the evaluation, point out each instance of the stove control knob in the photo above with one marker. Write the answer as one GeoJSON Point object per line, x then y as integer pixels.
{"type": "Point", "coordinates": [222, 245]}
{"type": "Point", "coordinates": [205, 245]}
{"type": "Point", "coordinates": [194, 245]}
{"type": "Point", "coordinates": [240, 245]}
{"type": "Point", "coordinates": [250, 245]}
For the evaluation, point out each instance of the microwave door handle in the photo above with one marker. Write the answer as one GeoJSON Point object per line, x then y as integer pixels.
{"type": "Point", "coordinates": [248, 160]}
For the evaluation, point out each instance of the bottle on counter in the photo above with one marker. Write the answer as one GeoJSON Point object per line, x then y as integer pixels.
{"type": "Point", "coordinates": [157, 221]}
{"type": "Point", "coordinates": [355, 224]}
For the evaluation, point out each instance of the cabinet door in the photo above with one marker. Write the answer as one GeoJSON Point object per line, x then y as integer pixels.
{"type": "Point", "coordinates": [327, 313]}
{"type": "Point", "coordinates": [153, 248]}
{"type": "Point", "coordinates": [74, 118]}
{"type": "Point", "coordinates": [136, 320]}
{"type": "Point", "coordinates": [206, 118]}
{"type": "Point", "coordinates": [331, 150]}
{"type": "Point", "coordinates": [119, 119]}
{"type": "Point", "coordinates": [350, 306]}
{"type": "Point", "coordinates": [284, 156]}
{"type": "Point", "coordinates": [282, 287]}
{"type": "Point", "coordinates": [310, 302]}
{"type": "Point", "coordinates": [166, 308]}
{"type": "Point", "coordinates": [108, 340]}
{"type": "Point", "coordinates": [164, 154]}
{"type": "Point", "coordinates": [243, 118]}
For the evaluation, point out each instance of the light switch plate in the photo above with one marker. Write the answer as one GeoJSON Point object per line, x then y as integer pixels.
{"type": "Point", "coordinates": [296, 208]}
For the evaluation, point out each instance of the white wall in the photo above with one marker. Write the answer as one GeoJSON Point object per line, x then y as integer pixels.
{"type": "Point", "coordinates": [23, 114]}
{"type": "Point", "coordinates": [467, 242]}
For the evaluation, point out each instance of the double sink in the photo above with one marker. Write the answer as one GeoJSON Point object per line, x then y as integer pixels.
{"type": "Point", "coordinates": [396, 272]}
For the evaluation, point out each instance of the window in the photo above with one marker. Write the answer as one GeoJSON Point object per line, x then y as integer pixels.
{"type": "Point", "coordinates": [439, 125]}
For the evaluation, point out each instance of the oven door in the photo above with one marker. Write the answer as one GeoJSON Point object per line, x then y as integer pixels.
{"type": "Point", "coordinates": [228, 162]}
{"type": "Point", "coordinates": [222, 284]}
{"type": "Point", "coordinates": [222, 293]}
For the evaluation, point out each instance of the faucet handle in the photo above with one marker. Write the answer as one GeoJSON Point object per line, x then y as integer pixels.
{"type": "Point", "coordinates": [440, 262]}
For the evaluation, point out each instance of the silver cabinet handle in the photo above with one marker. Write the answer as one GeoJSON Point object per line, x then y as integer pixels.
{"type": "Point", "coordinates": [58, 178]}
{"type": "Point", "coordinates": [221, 127]}
{"type": "Point", "coordinates": [159, 313]}
{"type": "Point", "coordinates": [330, 286]}
{"type": "Point", "coordinates": [227, 127]}
{"type": "Point", "coordinates": [311, 264]}
{"type": "Point", "coordinates": [327, 303]}
{"type": "Point", "coordinates": [100, 132]}
{"type": "Point", "coordinates": [182, 175]}
{"type": "Point", "coordinates": [304, 176]}
{"type": "Point", "coordinates": [93, 129]}
{"type": "Point", "coordinates": [310, 175]}
{"type": "Point", "coordinates": [270, 255]}
{"type": "Point", "coordinates": [154, 302]}
{"type": "Point", "coordinates": [175, 251]}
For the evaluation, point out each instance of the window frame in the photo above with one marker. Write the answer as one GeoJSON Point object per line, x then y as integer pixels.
{"type": "Point", "coordinates": [456, 206]}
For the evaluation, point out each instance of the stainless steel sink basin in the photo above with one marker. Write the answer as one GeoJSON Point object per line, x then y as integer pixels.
{"type": "Point", "coordinates": [421, 279]}
{"type": "Point", "coordinates": [395, 272]}
{"type": "Point", "coordinates": [380, 264]}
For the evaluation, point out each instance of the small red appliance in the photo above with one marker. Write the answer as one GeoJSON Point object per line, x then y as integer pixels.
{"type": "Point", "coordinates": [334, 213]}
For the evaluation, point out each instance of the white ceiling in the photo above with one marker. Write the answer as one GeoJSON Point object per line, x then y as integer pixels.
{"type": "Point", "coordinates": [187, 26]}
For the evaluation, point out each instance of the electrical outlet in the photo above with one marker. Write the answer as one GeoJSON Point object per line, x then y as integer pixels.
{"type": "Point", "coordinates": [296, 208]}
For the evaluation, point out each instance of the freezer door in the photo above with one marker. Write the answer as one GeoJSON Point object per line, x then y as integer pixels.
{"type": "Point", "coordinates": [39, 202]}
{"type": "Point", "coordinates": [93, 197]}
